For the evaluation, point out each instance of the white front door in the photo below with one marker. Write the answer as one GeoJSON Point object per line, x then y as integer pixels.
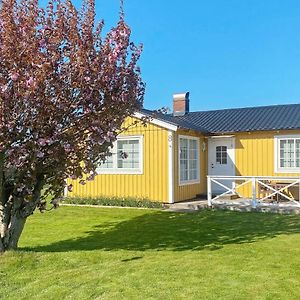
{"type": "Point", "coordinates": [221, 160]}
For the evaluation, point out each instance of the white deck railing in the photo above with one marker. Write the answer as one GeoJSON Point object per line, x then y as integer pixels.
{"type": "Point", "coordinates": [270, 186]}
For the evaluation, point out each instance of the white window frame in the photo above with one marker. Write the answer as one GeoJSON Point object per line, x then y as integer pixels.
{"type": "Point", "coordinates": [277, 140]}
{"type": "Point", "coordinates": [115, 169]}
{"type": "Point", "coordinates": [194, 181]}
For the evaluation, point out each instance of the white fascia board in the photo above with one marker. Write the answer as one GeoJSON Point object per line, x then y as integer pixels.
{"type": "Point", "coordinates": [220, 136]}
{"type": "Point", "coordinates": [157, 122]}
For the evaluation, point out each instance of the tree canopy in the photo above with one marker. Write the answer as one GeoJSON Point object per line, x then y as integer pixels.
{"type": "Point", "coordinates": [64, 93]}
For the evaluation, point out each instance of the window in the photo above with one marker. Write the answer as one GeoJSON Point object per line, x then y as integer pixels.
{"type": "Point", "coordinates": [126, 156]}
{"type": "Point", "coordinates": [188, 160]}
{"type": "Point", "coordinates": [287, 154]}
{"type": "Point", "coordinates": [221, 155]}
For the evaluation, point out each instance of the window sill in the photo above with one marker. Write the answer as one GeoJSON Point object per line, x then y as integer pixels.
{"type": "Point", "coordinates": [190, 182]}
{"type": "Point", "coordinates": [119, 172]}
{"type": "Point", "coordinates": [286, 171]}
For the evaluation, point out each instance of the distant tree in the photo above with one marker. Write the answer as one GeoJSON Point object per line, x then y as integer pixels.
{"type": "Point", "coordinates": [64, 94]}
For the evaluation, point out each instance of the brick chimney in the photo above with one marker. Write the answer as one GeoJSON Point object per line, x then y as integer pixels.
{"type": "Point", "coordinates": [181, 104]}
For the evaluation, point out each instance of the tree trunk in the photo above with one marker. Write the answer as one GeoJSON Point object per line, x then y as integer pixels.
{"type": "Point", "coordinates": [12, 237]}
{"type": "Point", "coordinates": [14, 210]}
{"type": "Point", "coordinates": [10, 234]}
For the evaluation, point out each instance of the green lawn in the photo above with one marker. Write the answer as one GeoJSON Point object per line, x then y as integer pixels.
{"type": "Point", "coordinates": [92, 253]}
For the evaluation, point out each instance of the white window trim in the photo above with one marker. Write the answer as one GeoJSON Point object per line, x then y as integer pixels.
{"type": "Point", "coordinates": [120, 171]}
{"type": "Point", "coordinates": [277, 139]}
{"type": "Point", "coordinates": [189, 182]}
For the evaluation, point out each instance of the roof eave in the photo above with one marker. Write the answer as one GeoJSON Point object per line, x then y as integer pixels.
{"type": "Point", "coordinates": [156, 121]}
{"type": "Point", "coordinates": [251, 130]}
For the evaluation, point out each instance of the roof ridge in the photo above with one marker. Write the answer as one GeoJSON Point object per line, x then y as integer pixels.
{"type": "Point", "coordinates": [244, 108]}
{"type": "Point", "coordinates": [268, 117]}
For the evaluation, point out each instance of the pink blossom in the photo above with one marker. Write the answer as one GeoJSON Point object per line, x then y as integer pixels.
{"type": "Point", "coordinates": [65, 110]}
{"type": "Point", "coordinates": [42, 142]}
{"type": "Point", "coordinates": [4, 88]}
{"type": "Point", "coordinates": [30, 82]}
{"type": "Point", "coordinates": [68, 148]}
{"type": "Point", "coordinates": [91, 177]}
{"type": "Point", "coordinates": [43, 43]}
{"type": "Point", "coordinates": [40, 154]}
{"type": "Point", "coordinates": [14, 76]}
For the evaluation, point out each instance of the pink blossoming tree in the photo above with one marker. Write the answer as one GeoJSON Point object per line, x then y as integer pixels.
{"type": "Point", "coordinates": [64, 94]}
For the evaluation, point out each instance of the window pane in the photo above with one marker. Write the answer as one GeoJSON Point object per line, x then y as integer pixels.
{"type": "Point", "coordinates": [193, 154]}
{"type": "Point", "coordinates": [183, 143]}
{"type": "Point", "coordinates": [298, 153]}
{"type": "Point", "coordinates": [287, 153]}
{"type": "Point", "coordinates": [193, 164]}
{"type": "Point", "coordinates": [128, 154]}
{"type": "Point", "coordinates": [183, 149]}
{"type": "Point", "coordinates": [108, 164]}
{"type": "Point", "coordinates": [121, 145]}
{"type": "Point", "coordinates": [189, 157]}
{"type": "Point", "coordinates": [192, 174]}
{"type": "Point", "coordinates": [221, 155]}
{"type": "Point", "coordinates": [183, 170]}
{"type": "Point", "coordinates": [193, 144]}
{"type": "Point", "coordinates": [224, 157]}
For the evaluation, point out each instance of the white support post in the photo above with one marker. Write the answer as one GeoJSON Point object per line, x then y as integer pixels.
{"type": "Point", "coordinates": [233, 186]}
{"type": "Point", "coordinates": [254, 202]}
{"type": "Point", "coordinates": [298, 191]}
{"type": "Point", "coordinates": [209, 193]}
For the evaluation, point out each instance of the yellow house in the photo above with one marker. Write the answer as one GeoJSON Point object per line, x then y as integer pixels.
{"type": "Point", "coordinates": [169, 159]}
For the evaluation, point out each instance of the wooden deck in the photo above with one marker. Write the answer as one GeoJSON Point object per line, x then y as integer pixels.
{"type": "Point", "coordinates": [241, 205]}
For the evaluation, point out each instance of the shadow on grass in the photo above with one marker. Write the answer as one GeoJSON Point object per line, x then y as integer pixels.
{"type": "Point", "coordinates": [179, 231]}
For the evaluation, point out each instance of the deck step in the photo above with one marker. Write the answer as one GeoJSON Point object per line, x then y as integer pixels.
{"type": "Point", "coordinates": [188, 206]}
{"type": "Point", "coordinates": [230, 197]}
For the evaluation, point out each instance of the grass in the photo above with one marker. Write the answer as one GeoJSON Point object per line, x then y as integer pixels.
{"type": "Point", "coordinates": [92, 253]}
{"type": "Point", "coordinates": [113, 201]}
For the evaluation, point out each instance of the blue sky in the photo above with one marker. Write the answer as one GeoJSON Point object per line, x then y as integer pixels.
{"type": "Point", "coordinates": [226, 53]}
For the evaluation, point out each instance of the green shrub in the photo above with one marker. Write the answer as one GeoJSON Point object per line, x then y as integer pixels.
{"type": "Point", "coordinates": [113, 201]}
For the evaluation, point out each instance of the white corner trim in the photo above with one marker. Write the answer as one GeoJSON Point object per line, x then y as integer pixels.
{"type": "Point", "coordinates": [171, 165]}
{"type": "Point", "coordinates": [277, 168]}
{"type": "Point", "coordinates": [189, 182]}
{"type": "Point", "coordinates": [157, 122]}
{"type": "Point", "coordinates": [66, 189]}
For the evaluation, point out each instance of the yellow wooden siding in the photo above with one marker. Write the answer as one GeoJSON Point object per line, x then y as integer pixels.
{"type": "Point", "coordinates": [152, 184]}
{"type": "Point", "coordinates": [189, 191]}
{"type": "Point", "coordinates": [255, 156]}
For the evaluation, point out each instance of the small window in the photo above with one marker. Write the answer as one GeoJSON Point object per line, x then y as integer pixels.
{"type": "Point", "coordinates": [288, 154]}
{"type": "Point", "coordinates": [126, 156]}
{"type": "Point", "coordinates": [188, 160]}
{"type": "Point", "coordinates": [221, 155]}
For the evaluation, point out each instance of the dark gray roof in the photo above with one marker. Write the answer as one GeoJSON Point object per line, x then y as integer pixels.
{"type": "Point", "coordinates": [173, 120]}
{"type": "Point", "coordinates": [275, 117]}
